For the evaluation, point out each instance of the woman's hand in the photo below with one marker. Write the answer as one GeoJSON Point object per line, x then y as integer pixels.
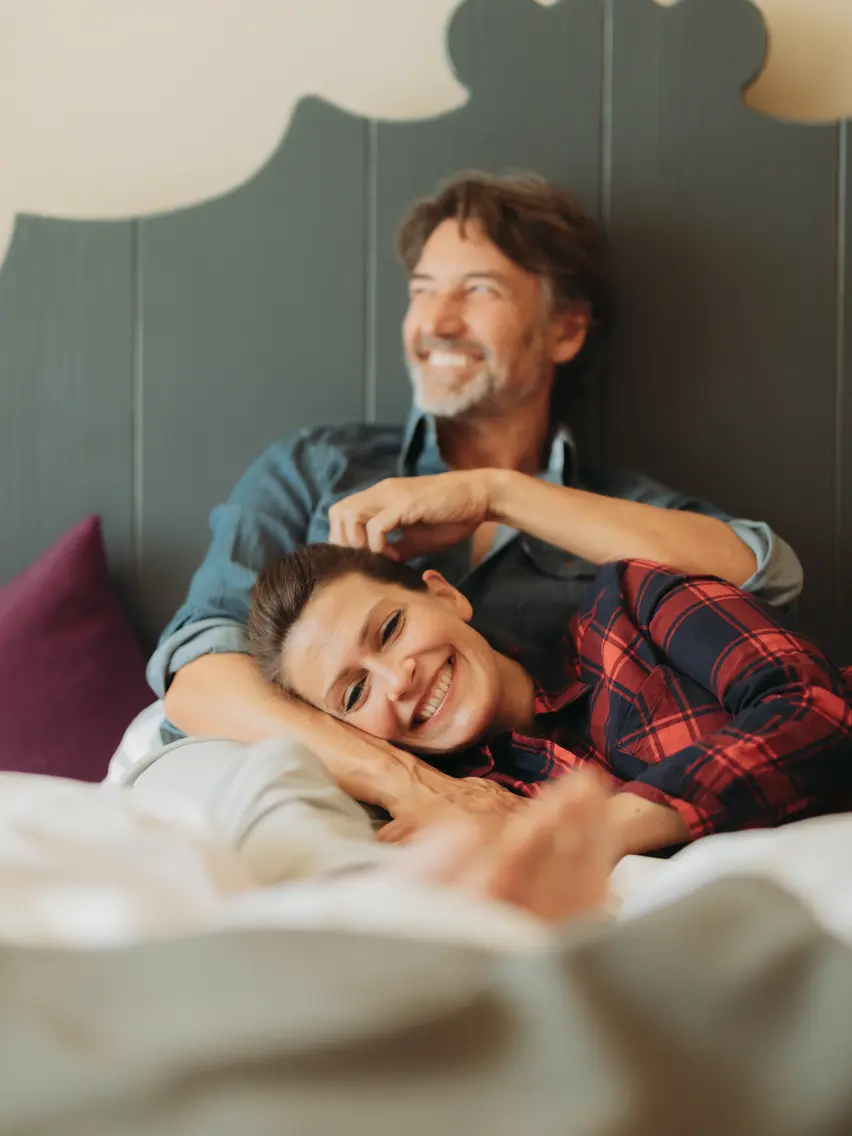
{"type": "Point", "coordinates": [552, 856]}
{"type": "Point", "coordinates": [430, 513]}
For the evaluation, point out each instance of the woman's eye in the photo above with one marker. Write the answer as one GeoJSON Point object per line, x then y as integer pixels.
{"type": "Point", "coordinates": [391, 627]}
{"type": "Point", "coordinates": [353, 696]}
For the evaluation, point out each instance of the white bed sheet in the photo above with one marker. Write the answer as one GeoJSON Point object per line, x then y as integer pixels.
{"type": "Point", "coordinates": [91, 866]}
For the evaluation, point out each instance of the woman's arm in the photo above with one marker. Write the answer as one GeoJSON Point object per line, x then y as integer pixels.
{"type": "Point", "coordinates": [787, 749]}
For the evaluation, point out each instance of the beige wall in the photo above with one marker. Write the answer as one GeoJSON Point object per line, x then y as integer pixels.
{"type": "Point", "coordinates": [116, 107]}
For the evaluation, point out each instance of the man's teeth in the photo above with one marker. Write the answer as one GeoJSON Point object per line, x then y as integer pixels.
{"type": "Point", "coordinates": [439, 693]}
{"type": "Point", "coordinates": [449, 359]}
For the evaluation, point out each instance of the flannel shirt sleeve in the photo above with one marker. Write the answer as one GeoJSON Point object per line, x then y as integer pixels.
{"type": "Point", "coordinates": [787, 750]}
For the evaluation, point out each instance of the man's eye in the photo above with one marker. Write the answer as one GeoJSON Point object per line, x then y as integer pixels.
{"type": "Point", "coordinates": [353, 696]}
{"type": "Point", "coordinates": [391, 627]}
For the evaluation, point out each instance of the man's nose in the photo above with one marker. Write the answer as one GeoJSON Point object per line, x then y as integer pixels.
{"type": "Point", "coordinates": [447, 317]}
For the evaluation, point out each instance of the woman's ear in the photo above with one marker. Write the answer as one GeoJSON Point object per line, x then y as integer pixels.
{"type": "Point", "coordinates": [446, 594]}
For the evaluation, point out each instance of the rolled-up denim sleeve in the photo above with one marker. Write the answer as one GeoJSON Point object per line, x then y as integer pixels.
{"type": "Point", "coordinates": [778, 577]}
{"type": "Point", "coordinates": [267, 516]}
{"type": "Point", "coordinates": [191, 641]}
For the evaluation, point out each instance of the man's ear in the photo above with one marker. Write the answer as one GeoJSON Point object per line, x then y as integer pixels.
{"type": "Point", "coordinates": [568, 333]}
{"type": "Point", "coordinates": [442, 590]}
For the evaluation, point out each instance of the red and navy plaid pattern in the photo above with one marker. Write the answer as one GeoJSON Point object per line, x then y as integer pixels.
{"type": "Point", "coordinates": [686, 692]}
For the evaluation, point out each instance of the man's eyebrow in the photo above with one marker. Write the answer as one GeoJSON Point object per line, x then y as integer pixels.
{"type": "Point", "coordinates": [362, 637]}
{"type": "Point", "coordinates": [481, 274]}
{"type": "Point", "coordinates": [489, 274]}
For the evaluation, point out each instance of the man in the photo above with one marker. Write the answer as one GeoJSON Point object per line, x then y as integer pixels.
{"type": "Point", "coordinates": [510, 306]}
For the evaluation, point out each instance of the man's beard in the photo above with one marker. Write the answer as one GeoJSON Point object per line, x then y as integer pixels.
{"type": "Point", "coordinates": [491, 388]}
{"type": "Point", "coordinates": [479, 389]}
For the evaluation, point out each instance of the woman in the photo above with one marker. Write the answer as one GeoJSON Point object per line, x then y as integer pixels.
{"type": "Point", "coordinates": [703, 712]}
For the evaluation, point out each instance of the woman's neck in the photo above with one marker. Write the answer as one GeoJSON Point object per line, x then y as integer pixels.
{"type": "Point", "coordinates": [517, 696]}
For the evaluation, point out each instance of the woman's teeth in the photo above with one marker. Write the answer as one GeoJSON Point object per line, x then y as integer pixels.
{"type": "Point", "coordinates": [439, 693]}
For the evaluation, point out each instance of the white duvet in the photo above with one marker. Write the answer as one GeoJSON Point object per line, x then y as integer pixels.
{"type": "Point", "coordinates": [90, 866]}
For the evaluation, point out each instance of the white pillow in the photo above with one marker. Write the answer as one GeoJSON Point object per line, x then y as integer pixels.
{"type": "Point", "coordinates": [141, 738]}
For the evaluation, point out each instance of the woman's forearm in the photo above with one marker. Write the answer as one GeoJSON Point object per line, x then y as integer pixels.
{"type": "Point", "coordinates": [603, 529]}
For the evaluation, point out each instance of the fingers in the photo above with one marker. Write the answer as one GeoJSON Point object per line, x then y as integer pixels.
{"type": "Point", "coordinates": [379, 527]}
{"type": "Point", "coordinates": [397, 831]}
{"type": "Point", "coordinates": [551, 857]}
{"type": "Point", "coordinates": [442, 854]}
{"type": "Point", "coordinates": [359, 523]}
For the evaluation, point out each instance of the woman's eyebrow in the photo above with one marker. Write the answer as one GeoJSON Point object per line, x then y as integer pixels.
{"type": "Point", "coordinates": [363, 634]}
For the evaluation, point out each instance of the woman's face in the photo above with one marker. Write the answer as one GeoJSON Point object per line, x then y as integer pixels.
{"type": "Point", "coordinates": [398, 664]}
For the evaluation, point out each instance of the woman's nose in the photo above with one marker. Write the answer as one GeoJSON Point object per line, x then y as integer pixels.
{"type": "Point", "coordinates": [398, 676]}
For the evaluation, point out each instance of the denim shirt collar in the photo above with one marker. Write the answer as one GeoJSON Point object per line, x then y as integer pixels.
{"type": "Point", "coordinates": [420, 453]}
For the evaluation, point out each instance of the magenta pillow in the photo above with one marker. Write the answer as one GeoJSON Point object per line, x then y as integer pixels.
{"type": "Point", "coordinates": [72, 675]}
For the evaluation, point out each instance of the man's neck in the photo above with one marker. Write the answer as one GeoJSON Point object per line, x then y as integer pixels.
{"type": "Point", "coordinates": [494, 443]}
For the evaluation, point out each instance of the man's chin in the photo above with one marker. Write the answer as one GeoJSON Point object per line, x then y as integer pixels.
{"type": "Point", "coordinates": [443, 407]}
{"type": "Point", "coordinates": [450, 404]}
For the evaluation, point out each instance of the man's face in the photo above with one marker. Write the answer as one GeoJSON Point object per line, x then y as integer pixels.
{"type": "Point", "coordinates": [479, 335]}
{"type": "Point", "coordinates": [401, 665]}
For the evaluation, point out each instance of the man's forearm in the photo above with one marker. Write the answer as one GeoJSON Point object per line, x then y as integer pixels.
{"type": "Point", "coordinates": [225, 696]}
{"type": "Point", "coordinates": [604, 529]}
{"type": "Point", "coordinates": [638, 825]}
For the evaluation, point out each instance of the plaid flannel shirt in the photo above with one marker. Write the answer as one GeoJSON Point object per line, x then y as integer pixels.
{"type": "Point", "coordinates": [687, 693]}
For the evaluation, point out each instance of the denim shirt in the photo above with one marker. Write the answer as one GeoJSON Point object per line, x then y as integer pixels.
{"type": "Point", "coordinates": [523, 592]}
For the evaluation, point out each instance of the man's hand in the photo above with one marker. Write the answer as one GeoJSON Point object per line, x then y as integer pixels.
{"type": "Point", "coordinates": [369, 769]}
{"type": "Point", "coordinates": [471, 797]}
{"type": "Point", "coordinates": [430, 513]}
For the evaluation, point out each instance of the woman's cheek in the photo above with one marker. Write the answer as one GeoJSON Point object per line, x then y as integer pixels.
{"type": "Point", "coordinates": [379, 721]}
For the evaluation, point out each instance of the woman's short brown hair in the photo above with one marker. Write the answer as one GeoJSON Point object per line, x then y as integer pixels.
{"type": "Point", "coordinates": [541, 228]}
{"type": "Point", "coordinates": [283, 590]}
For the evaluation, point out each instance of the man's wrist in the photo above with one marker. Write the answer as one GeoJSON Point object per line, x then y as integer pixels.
{"type": "Point", "coordinates": [406, 782]}
{"type": "Point", "coordinates": [501, 490]}
{"type": "Point", "coordinates": [368, 769]}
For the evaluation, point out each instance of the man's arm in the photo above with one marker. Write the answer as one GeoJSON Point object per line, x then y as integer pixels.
{"type": "Point", "coordinates": [433, 512]}
{"type": "Point", "coordinates": [203, 667]}
{"type": "Point", "coordinates": [224, 695]}
{"type": "Point", "coordinates": [788, 748]}
{"type": "Point", "coordinates": [603, 529]}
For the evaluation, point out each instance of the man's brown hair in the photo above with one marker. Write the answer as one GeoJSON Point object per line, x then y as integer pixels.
{"type": "Point", "coordinates": [283, 590]}
{"type": "Point", "coordinates": [542, 229]}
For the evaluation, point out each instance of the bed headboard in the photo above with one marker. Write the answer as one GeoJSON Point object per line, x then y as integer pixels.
{"type": "Point", "coordinates": [143, 364]}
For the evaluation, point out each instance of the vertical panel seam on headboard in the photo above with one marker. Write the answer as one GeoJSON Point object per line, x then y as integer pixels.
{"type": "Point", "coordinates": [371, 274]}
{"type": "Point", "coordinates": [136, 399]}
{"type": "Point", "coordinates": [605, 180]}
{"type": "Point", "coordinates": [841, 265]}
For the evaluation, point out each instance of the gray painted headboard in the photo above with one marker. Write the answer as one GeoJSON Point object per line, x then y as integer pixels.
{"type": "Point", "coordinates": [144, 364]}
